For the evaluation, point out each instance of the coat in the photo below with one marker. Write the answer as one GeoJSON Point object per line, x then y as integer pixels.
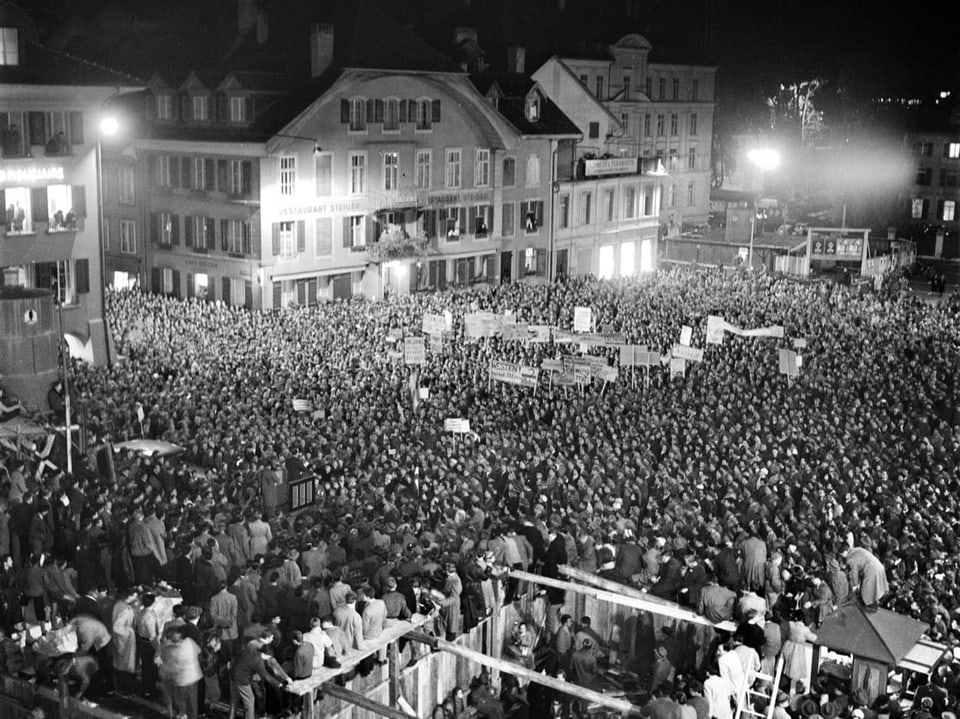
{"type": "Point", "coordinates": [867, 573]}
{"type": "Point", "coordinates": [793, 653]}
{"type": "Point", "coordinates": [754, 561]}
{"type": "Point", "coordinates": [124, 638]}
{"type": "Point", "coordinates": [260, 536]}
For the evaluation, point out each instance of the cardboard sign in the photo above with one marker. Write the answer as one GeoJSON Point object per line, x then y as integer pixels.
{"type": "Point", "coordinates": [456, 425]}
{"type": "Point", "coordinates": [562, 336]}
{"type": "Point", "coordinates": [511, 373]}
{"type": "Point", "coordinates": [716, 327]}
{"type": "Point", "coordinates": [686, 335]}
{"type": "Point", "coordinates": [414, 351]}
{"type": "Point", "coordinates": [515, 332]}
{"type": "Point", "coordinates": [799, 343]}
{"type": "Point", "coordinates": [582, 319]}
{"type": "Point", "coordinates": [394, 354]}
{"type": "Point", "coordinates": [551, 365]}
{"type": "Point", "coordinates": [436, 343]}
{"type": "Point", "coordinates": [628, 355]}
{"type": "Point", "coordinates": [423, 392]}
{"type": "Point", "coordinates": [539, 333]}
{"type": "Point", "coordinates": [434, 324]}
{"type": "Point", "coordinates": [693, 354]}
{"type": "Point", "coordinates": [678, 367]}
{"type": "Point", "coordinates": [302, 405]}
{"type": "Point", "coordinates": [608, 374]}
{"type": "Point", "coordinates": [788, 364]}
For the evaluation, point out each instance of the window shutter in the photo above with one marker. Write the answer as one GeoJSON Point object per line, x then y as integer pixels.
{"type": "Point", "coordinates": [76, 127]}
{"type": "Point", "coordinates": [370, 230]}
{"type": "Point", "coordinates": [430, 223]}
{"type": "Point", "coordinates": [312, 291]}
{"type": "Point", "coordinates": [208, 174]}
{"type": "Point", "coordinates": [38, 128]}
{"type": "Point", "coordinates": [324, 177]}
{"type": "Point", "coordinates": [926, 208]}
{"type": "Point", "coordinates": [174, 171]}
{"type": "Point", "coordinates": [246, 177]}
{"type": "Point", "coordinates": [245, 237]}
{"type": "Point", "coordinates": [184, 107]}
{"type": "Point", "coordinates": [155, 280]}
{"type": "Point", "coordinates": [435, 111]}
{"type": "Point", "coordinates": [254, 230]}
{"type": "Point", "coordinates": [490, 267]}
{"type": "Point", "coordinates": [189, 285]}
{"type": "Point", "coordinates": [223, 109]}
{"type": "Point", "coordinates": [222, 176]}
{"type": "Point", "coordinates": [176, 284]}
{"type": "Point", "coordinates": [346, 232]}
{"type": "Point", "coordinates": [371, 111]}
{"type": "Point", "coordinates": [78, 196]}
{"type": "Point", "coordinates": [46, 272]}
{"type": "Point", "coordinates": [277, 295]}
{"type": "Point", "coordinates": [344, 110]}
{"type": "Point", "coordinates": [155, 229]}
{"type": "Point", "coordinates": [210, 233]}
{"type": "Point", "coordinates": [541, 262]}
{"type": "Point", "coordinates": [82, 276]}
{"type": "Point", "coordinates": [38, 204]}
{"type": "Point", "coordinates": [442, 274]}
{"type": "Point", "coordinates": [3, 214]}
{"type": "Point", "coordinates": [301, 236]}
{"type": "Point", "coordinates": [403, 111]}
{"type": "Point", "coordinates": [186, 173]}
{"type": "Point", "coordinates": [248, 294]}
{"type": "Point", "coordinates": [152, 171]}
{"type": "Point", "coordinates": [223, 235]}
{"type": "Point", "coordinates": [174, 229]}
{"type": "Point", "coordinates": [471, 219]}
{"type": "Point", "coordinates": [188, 229]}
{"type": "Point", "coordinates": [226, 290]}
{"type": "Point", "coordinates": [248, 108]}
{"type": "Point", "coordinates": [378, 110]}
{"type": "Point", "coordinates": [940, 206]}
{"type": "Point", "coordinates": [275, 227]}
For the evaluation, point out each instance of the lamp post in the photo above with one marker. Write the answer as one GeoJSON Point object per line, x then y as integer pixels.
{"type": "Point", "coordinates": [763, 159]}
{"type": "Point", "coordinates": [109, 127]}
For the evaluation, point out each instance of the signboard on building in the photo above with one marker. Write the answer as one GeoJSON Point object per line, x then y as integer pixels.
{"type": "Point", "coordinates": [837, 244]}
{"type": "Point", "coordinates": [610, 166]}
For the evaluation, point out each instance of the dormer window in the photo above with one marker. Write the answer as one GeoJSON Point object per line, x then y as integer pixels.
{"type": "Point", "coordinates": [164, 106]}
{"type": "Point", "coordinates": [201, 108]}
{"type": "Point", "coordinates": [533, 107]}
{"type": "Point", "coordinates": [238, 109]}
{"type": "Point", "coordinates": [9, 46]}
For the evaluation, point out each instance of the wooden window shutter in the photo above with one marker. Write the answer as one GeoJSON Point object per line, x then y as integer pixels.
{"type": "Point", "coordinates": [435, 111]}
{"type": "Point", "coordinates": [176, 283]}
{"type": "Point", "coordinates": [301, 236]}
{"type": "Point", "coordinates": [403, 111]}
{"type": "Point", "coordinates": [344, 110]}
{"type": "Point", "coordinates": [185, 107]}
{"type": "Point", "coordinates": [223, 235]}
{"type": "Point", "coordinates": [226, 290]}
{"type": "Point", "coordinates": [210, 233]}
{"type": "Point", "coordinates": [312, 291]}
{"type": "Point", "coordinates": [209, 176]}
{"type": "Point", "coordinates": [155, 280]}
{"type": "Point", "coordinates": [82, 276]}
{"type": "Point", "coordinates": [371, 111]}
{"type": "Point", "coordinates": [223, 108]}
{"type": "Point", "coordinates": [248, 108]}
{"type": "Point", "coordinates": [37, 125]}
{"type": "Point", "coordinates": [155, 229]}
{"type": "Point", "coordinates": [174, 229]}
{"type": "Point", "coordinates": [246, 177]}
{"type": "Point", "coordinates": [38, 204]}
{"type": "Point", "coordinates": [186, 173]}
{"type": "Point", "coordinates": [189, 285]}
{"type": "Point", "coordinates": [378, 110]}
{"type": "Point", "coordinates": [276, 238]}
{"type": "Point", "coordinates": [248, 294]}
{"type": "Point", "coordinates": [277, 295]}
{"type": "Point", "coordinates": [78, 196]}
{"type": "Point", "coordinates": [254, 227]}
{"type": "Point", "coordinates": [222, 176]}
{"type": "Point", "coordinates": [174, 171]}
{"type": "Point", "coordinates": [245, 238]}
{"type": "Point", "coordinates": [76, 127]}
{"type": "Point", "coordinates": [188, 228]}
{"type": "Point", "coordinates": [541, 262]}
{"type": "Point", "coordinates": [152, 170]}
{"type": "Point", "coordinates": [347, 241]}
{"type": "Point", "coordinates": [3, 214]}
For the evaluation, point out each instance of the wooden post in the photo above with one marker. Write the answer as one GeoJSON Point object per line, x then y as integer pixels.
{"type": "Point", "coordinates": [517, 670]}
{"type": "Point", "coordinates": [335, 690]}
{"type": "Point", "coordinates": [393, 659]}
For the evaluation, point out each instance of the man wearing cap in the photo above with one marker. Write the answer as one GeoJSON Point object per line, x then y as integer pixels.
{"type": "Point", "coordinates": [395, 602]}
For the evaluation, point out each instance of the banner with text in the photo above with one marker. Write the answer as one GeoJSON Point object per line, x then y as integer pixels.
{"type": "Point", "coordinates": [511, 373]}
{"type": "Point", "coordinates": [414, 351]}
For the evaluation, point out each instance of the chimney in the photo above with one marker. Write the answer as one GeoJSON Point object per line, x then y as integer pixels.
{"type": "Point", "coordinates": [246, 15]}
{"type": "Point", "coordinates": [462, 34]}
{"type": "Point", "coordinates": [517, 59]}
{"type": "Point", "coordinates": [263, 26]}
{"type": "Point", "coordinates": [321, 48]}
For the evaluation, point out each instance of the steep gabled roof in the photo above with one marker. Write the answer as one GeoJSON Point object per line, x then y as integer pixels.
{"type": "Point", "coordinates": [882, 635]}
{"type": "Point", "coordinates": [43, 66]}
{"type": "Point", "coordinates": [509, 91]}
{"type": "Point", "coordinates": [380, 42]}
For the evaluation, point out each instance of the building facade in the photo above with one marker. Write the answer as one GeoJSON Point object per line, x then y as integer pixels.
{"type": "Point", "coordinates": [933, 202]}
{"type": "Point", "coordinates": [50, 113]}
{"type": "Point", "coordinates": [629, 107]}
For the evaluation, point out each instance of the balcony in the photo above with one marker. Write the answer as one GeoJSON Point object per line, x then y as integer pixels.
{"type": "Point", "coordinates": [19, 248]}
{"type": "Point", "coordinates": [395, 243]}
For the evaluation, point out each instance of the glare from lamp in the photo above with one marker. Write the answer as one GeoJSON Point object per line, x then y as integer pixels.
{"type": "Point", "coordinates": [109, 126]}
{"type": "Point", "coordinates": [765, 158]}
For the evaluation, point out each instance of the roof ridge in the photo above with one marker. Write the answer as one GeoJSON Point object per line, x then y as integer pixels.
{"type": "Point", "coordinates": [90, 63]}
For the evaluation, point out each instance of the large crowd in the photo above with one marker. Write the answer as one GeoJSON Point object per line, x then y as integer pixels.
{"type": "Point", "coordinates": [839, 485]}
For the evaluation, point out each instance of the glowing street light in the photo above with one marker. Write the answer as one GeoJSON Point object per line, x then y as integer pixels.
{"type": "Point", "coordinates": [764, 159]}
{"type": "Point", "coordinates": [109, 126]}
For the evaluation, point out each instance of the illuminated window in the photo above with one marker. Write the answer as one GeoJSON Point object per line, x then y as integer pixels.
{"type": "Point", "coordinates": [9, 46]}
{"type": "Point", "coordinates": [288, 240]}
{"type": "Point", "coordinates": [201, 110]}
{"type": "Point", "coordinates": [424, 166]}
{"type": "Point", "coordinates": [532, 211]}
{"type": "Point", "coordinates": [452, 174]}
{"type": "Point", "coordinates": [918, 209]}
{"type": "Point", "coordinates": [391, 115]}
{"type": "Point", "coordinates": [627, 259]}
{"type": "Point", "coordinates": [128, 237]}
{"type": "Point", "coordinates": [952, 150]}
{"type": "Point", "coordinates": [125, 185]}
{"type": "Point", "coordinates": [358, 115]}
{"type": "Point", "coordinates": [646, 255]}
{"type": "Point", "coordinates": [358, 173]}
{"type": "Point", "coordinates": [288, 175]}
{"type": "Point", "coordinates": [358, 237]}
{"type": "Point", "coordinates": [530, 261]}
{"type": "Point", "coordinates": [481, 168]}
{"type": "Point", "coordinates": [60, 211]}
{"type": "Point", "coordinates": [607, 263]}
{"type": "Point", "coordinates": [949, 210]}
{"type": "Point", "coordinates": [391, 170]}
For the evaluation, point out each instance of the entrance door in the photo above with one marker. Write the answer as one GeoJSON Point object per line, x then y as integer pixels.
{"type": "Point", "coordinates": [342, 287]}
{"type": "Point", "coordinates": [561, 263]}
{"type": "Point", "coordinates": [506, 267]}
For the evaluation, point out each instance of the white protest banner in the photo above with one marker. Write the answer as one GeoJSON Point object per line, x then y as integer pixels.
{"type": "Point", "coordinates": [678, 367]}
{"type": "Point", "coordinates": [694, 354]}
{"type": "Point", "coordinates": [433, 324]}
{"type": "Point", "coordinates": [394, 354]}
{"type": "Point", "coordinates": [716, 326]}
{"type": "Point", "coordinates": [799, 343]}
{"type": "Point", "coordinates": [515, 331]}
{"type": "Point", "coordinates": [614, 340]}
{"type": "Point", "coordinates": [448, 319]}
{"type": "Point", "coordinates": [562, 336]}
{"type": "Point", "coordinates": [394, 334]}
{"type": "Point", "coordinates": [608, 374]}
{"type": "Point", "coordinates": [686, 335]}
{"type": "Point", "coordinates": [582, 319]}
{"type": "Point", "coordinates": [490, 324]}
{"type": "Point", "coordinates": [511, 373]}
{"type": "Point", "coordinates": [628, 355]}
{"type": "Point", "coordinates": [436, 343]}
{"type": "Point", "coordinates": [414, 351]}
{"type": "Point", "coordinates": [456, 425]}
{"type": "Point", "coordinates": [539, 333]}
{"type": "Point", "coordinates": [302, 405]}
{"type": "Point", "coordinates": [772, 331]}
{"type": "Point", "coordinates": [788, 363]}
{"type": "Point", "coordinates": [551, 365]}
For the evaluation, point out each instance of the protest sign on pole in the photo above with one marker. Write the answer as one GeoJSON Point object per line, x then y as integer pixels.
{"type": "Point", "coordinates": [436, 344]}
{"type": "Point", "coordinates": [678, 367]}
{"type": "Point", "coordinates": [551, 365]}
{"type": "Point", "coordinates": [433, 324]}
{"type": "Point", "coordinates": [686, 335]}
{"type": "Point", "coordinates": [694, 354]}
{"type": "Point", "coordinates": [799, 343]}
{"type": "Point", "coordinates": [414, 351]}
{"type": "Point", "coordinates": [511, 373]}
{"type": "Point", "coordinates": [628, 355]}
{"type": "Point", "coordinates": [582, 319]}
{"type": "Point", "coordinates": [788, 363]}
{"type": "Point", "coordinates": [716, 326]}
{"type": "Point", "coordinates": [539, 333]}
{"type": "Point", "coordinates": [515, 331]}
{"type": "Point", "coordinates": [456, 425]}
{"type": "Point", "coordinates": [302, 405]}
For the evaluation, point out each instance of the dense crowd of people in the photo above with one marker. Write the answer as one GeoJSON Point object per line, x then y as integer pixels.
{"type": "Point", "coordinates": [838, 486]}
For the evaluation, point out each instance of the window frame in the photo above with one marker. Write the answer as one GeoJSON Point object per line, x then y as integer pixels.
{"type": "Point", "coordinates": [200, 108]}
{"type": "Point", "coordinates": [424, 170]}
{"type": "Point", "coordinates": [423, 122]}
{"type": "Point", "coordinates": [357, 123]}
{"type": "Point", "coordinates": [126, 185]}
{"type": "Point", "coordinates": [481, 166]}
{"type": "Point", "coordinates": [238, 109]}
{"type": "Point", "coordinates": [287, 175]}
{"type": "Point", "coordinates": [391, 171]}
{"type": "Point", "coordinates": [128, 236]}
{"type": "Point", "coordinates": [453, 168]}
{"type": "Point", "coordinates": [357, 173]}
{"type": "Point", "coordinates": [693, 124]}
{"type": "Point", "coordinates": [9, 47]}
{"type": "Point", "coordinates": [394, 126]}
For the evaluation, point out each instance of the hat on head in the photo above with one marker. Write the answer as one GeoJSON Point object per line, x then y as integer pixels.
{"type": "Point", "coordinates": [192, 612]}
{"type": "Point", "coordinates": [809, 708]}
{"type": "Point", "coordinates": [390, 584]}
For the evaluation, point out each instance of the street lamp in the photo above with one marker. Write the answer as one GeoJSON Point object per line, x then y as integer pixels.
{"type": "Point", "coordinates": [764, 159]}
